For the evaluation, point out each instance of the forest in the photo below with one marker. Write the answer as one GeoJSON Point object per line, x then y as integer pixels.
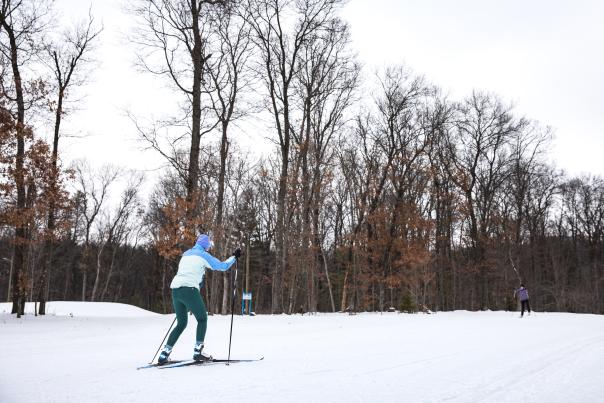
{"type": "Point", "coordinates": [380, 192]}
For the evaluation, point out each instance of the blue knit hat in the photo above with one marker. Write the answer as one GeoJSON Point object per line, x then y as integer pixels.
{"type": "Point", "coordinates": [204, 241]}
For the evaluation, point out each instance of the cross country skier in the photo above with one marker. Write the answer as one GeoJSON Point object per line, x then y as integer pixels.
{"type": "Point", "coordinates": [522, 294]}
{"type": "Point", "coordinates": [186, 297]}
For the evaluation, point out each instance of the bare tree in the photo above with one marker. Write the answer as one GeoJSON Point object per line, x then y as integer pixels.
{"type": "Point", "coordinates": [173, 44]}
{"type": "Point", "coordinates": [228, 80]}
{"type": "Point", "coordinates": [368, 160]}
{"type": "Point", "coordinates": [112, 227]}
{"type": "Point", "coordinates": [480, 153]}
{"type": "Point", "coordinates": [325, 85]}
{"type": "Point", "coordinates": [438, 121]}
{"type": "Point", "coordinates": [279, 42]}
{"type": "Point", "coordinates": [66, 57]}
{"type": "Point", "coordinates": [21, 25]}
{"type": "Point", "coordinates": [401, 118]}
{"type": "Point", "coordinates": [94, 188]}
{"type": "Point", "coordinates": [527, 151]}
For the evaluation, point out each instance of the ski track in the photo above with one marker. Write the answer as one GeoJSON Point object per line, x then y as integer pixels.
{"type": "Point", "coordinates": [411, 363]}
{"type": "Point", "coordinates": [526, 375]}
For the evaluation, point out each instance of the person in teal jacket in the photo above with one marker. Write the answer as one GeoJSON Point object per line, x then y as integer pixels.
{"type": "Point", "coordinates": [186, 294]}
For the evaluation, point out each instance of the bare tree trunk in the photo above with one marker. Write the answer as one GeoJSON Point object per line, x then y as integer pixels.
{"type": "Point", "coordinates": [99, 256]}
{"type": "Point", "coordinates": [20, 229]}
{"type": "Point", "coordinates": [84, 269]}
{"type": "Point", "coordinates": [109, 274]}
{"type": "Point", "coordinates": [84, 281]}
{"type": "Point", "coordinates": [49, 242]}
{"type": "Point", "coordinates": [333, 305]}
{"type": "Point", "coordinates": [193, 176]}
{"type": "Point", "coordinates": [292, 289]}
{"type": "Point", "coordinates": [224, 146]}
{"type": "Point", "coordinates": [247, 273]}
{"type": "Point", "coordinates": [214, 291]}
{"type": "Point", "coordinates": [280, 249]}
{"type": "Point", "coordinates": [225, 295]}
{"type": "Point", "coordinates": [344, 291]}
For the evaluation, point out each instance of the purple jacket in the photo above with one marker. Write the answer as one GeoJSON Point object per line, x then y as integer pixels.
{"type": "Point", "coordinates": [522, 293]}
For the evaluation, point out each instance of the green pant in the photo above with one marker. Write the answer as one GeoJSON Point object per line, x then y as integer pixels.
{"type": "Point", "coordinates": [187, 299]}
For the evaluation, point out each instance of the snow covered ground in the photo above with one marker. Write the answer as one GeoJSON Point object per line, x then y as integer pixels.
{"type": "Point", "coordinates": [88, 352]}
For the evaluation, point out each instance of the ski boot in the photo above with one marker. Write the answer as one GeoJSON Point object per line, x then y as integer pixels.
{"type": "Point", "coordinates": [164, 355]}
{"type": "Point", "coordinates": [198, 354]}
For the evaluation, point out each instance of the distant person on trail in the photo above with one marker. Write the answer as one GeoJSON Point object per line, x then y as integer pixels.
{"type": "Point", "coordinates": [522, 294]}
{"type": "Point", "coordinates": [186, 294]}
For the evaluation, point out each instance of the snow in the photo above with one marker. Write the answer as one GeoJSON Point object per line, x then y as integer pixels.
{"type": "Point", "coordinates": [92, 355]}
{"type": "Point", "coordinates": [89, 309]}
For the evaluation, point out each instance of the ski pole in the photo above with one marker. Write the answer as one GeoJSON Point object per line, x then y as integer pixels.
{"type": "Point", "coordinates": [164, 339]}
{"type": "Point", "coordinates": [233, 307]}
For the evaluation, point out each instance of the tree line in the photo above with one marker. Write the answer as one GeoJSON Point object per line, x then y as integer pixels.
{"type": "Point", "coordinates": [379, 193]}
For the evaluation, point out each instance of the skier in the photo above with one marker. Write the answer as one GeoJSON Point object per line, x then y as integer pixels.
{"type": "Point", "coordinates": [523, 295]}
{"type": "Point", "coordinates": [186, 296]}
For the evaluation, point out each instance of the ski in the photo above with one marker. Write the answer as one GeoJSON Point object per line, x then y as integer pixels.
{"type": "Point", "coordinates": [159, 365]}
{"type": "Point", "coordinates": [207, 362]}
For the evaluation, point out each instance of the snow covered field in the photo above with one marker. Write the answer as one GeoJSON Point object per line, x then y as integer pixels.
{"type": "Point", "coordinates": [88, 352]}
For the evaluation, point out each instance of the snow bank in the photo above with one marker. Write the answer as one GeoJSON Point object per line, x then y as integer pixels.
{"type": "Point", "coordinates": [85, 309]}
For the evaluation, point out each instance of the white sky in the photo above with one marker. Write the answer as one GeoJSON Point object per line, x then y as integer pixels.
{"type": "Point", "coordinates": [545, 56]}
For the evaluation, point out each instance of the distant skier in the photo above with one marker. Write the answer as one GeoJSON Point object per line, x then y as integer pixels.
{"type": "Point", "coordinates": [186, 297]}
{"type": "Point", "coordinates": [522, 294]}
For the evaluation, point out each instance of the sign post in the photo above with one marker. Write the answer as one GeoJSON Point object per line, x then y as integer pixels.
{"type": "Point", "coordinates": [246, 296]}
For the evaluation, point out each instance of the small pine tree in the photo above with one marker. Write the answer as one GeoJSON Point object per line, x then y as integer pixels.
{"type": "Point", "coordinates": [407, 304]}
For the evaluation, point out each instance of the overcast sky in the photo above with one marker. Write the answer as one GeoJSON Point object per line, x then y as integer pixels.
{"type": "Point", "coordinates": [544, 56]}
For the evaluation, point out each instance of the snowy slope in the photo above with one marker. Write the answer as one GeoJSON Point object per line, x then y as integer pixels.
{"type": "Point", "coordinates": [89, 309]}
{"type": "Point", "coordinates": [453, 357]}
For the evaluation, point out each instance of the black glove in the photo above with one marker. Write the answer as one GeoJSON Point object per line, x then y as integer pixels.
{"type": "Point", "coordinates": [237, 253]}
